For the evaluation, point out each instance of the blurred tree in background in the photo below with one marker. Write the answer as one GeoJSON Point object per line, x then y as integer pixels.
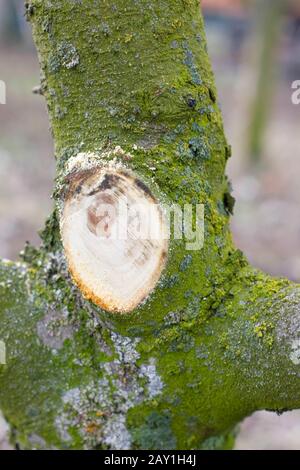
{"type": "Point", "coordinates": [259, 30]}
{"type": "Point", "coordinates": [266, 32]}
{"type": "Point", "coordinates": [12, 22]}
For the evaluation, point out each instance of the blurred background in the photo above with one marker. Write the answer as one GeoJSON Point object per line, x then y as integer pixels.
{"type": "Point", "coordinates": [255, 49]}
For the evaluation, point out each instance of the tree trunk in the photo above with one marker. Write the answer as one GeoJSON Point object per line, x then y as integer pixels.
{"type": "Point", "coordinates": [130, 92]}
{"type": "Point", "coordinates": [268, 16]}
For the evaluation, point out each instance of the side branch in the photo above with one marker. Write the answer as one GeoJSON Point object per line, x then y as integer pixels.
{"type": "Point", "coordinates": [262, 341]}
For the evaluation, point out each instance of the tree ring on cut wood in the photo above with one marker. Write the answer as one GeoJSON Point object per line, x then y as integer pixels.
{"type": "Point", "coordinates": [115, 237]}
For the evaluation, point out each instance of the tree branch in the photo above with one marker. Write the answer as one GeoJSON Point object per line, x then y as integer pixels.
{"type": "Point", "coordinates": [262, 340]}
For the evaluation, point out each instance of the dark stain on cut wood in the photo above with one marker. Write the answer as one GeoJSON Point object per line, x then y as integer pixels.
{"type": "Point", "coordinates": [100, 215]}
{"type": "Point", "coordinates": [108, 182]}
{"type": "Point", "coordinates": [75, 180]}
{"type": "Point", "coordinates": [92, 220]}
{"type": "Point", "coordinates": [144, 188]}
{"type": "Point", "coordinates": [78, 189]}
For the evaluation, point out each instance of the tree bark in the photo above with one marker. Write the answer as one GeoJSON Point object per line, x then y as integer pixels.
{"type": "Point", "coordinates": [130, 82]}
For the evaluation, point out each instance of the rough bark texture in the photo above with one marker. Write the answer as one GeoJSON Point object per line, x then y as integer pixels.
{"type": "Point", "coordinates": [216, 339]}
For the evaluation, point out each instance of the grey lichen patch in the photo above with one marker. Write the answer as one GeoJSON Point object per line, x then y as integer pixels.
{"type": "Point", "coordinates": [55, 328]}
{"type": "Point", "coordinates": [68, 55]}
{"type": "Point", "coordinates": [125, 348]}
{"type": "Point", "coordinates": [155, 384]}
{"type": "Point", "coordinates": [295, 352]}
{"type": "Point", "coordinates": [289, 325]}
{"type": "Point", "coordinates": [172, 318]}
{"type": "Point", "coordinates": [189, 61]}
{"type": "Point", "coordinates": [97, 411]}
{"type": "Point", "coordinates": [60, 112]}
{"type": "Point", "coordinates": [105, 29]}
{"type": "Point", "coordinates": [65, 56]}
{"type": "Point", "coordinates": [185, 263]}
{"type": "Point", "coordinates": [199, 149]}
{"type": "Point", "coordinates": [37, 442]}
